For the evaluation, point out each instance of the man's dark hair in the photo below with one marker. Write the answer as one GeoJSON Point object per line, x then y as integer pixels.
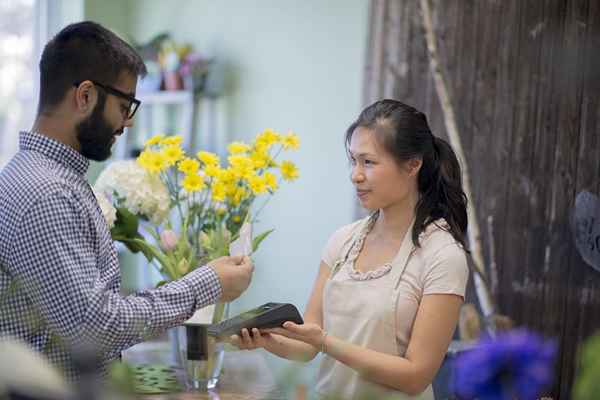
{"type": "Point", "coordinates": [81, 51]}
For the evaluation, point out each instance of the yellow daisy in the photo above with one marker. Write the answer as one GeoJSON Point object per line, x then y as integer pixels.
{"type": "Point", "coordinates": [291, 141]}
{"type": "Point", "coordinates": [189, 166]}
{"type": "Point", "coordinates": [152, 161]}
{"type": "Point", "coordinates": [153, 140]}
{"type": "Point", "coordinates": [271, 181]}
{"type": "Point", "coordinates": [208, 158]}
{"type": "Point", "coordinates": [172, 154]}
{"type": "Point", "coordinates": [238, 147]}
{"type": "Point", "coordinates": [289, 171]}
{"type": "Point", "coordinates": [193, 183]}
{"type": "Point", "coordinates": [172, 141]}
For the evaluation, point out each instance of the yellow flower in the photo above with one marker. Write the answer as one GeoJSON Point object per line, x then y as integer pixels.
{"type": "Point", "coordinates": [236, 218]}
{"type": "Point", "coordinates": [289, 171]}
{"type": "Point", "coordinates": [189, 166]}
{"type": "Point", "coordinates": [153, 140]}
{"type": "Point", "coordinates": [171, 141]}
{"type": "Point", "coordinates": [152, 161]}
{"type": "Point", "coordinates": [226, 176]}
{"type": "Point", "coordinates": [291, 141]}
{"type": "Point", "coordinates": [267, 138]}
{"type": "Point", "coordinates": [271, 180]}
{"type": "Point", "coordinates": [218, 191]}
{"type": "Point", "coordinates": [212, 170]}
{"type": "Point", "coordinates": [231, 189]}
{"type": "Point", "coordinates": [260, 159]}
{"type": "Point", "coordinates": [241, 166]}
{"type": "Point", "coordinates": [208, 158]}
{"type": "Point", "coordinates": [172, 154]}
{"type": "Point", "coordinates": [257, 184]}
{"type": "Point", "coordinates": [240, 195]}
{"type": "Point", "coordinates": [238, 147]}
{"type": "Point", "coordinates": [193, 183]}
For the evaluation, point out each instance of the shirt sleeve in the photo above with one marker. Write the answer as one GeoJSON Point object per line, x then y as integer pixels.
{"type": "Point", "coordinates": [53, 259]}
{"type": "Point", "coordinates": [447, 271]}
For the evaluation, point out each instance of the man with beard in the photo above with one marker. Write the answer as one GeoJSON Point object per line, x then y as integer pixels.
{"type": "Point", "coordinates": [59, 272]}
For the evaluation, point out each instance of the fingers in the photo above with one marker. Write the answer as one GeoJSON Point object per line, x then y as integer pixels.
{"type": "Point", "coordinates": [237, 260]}
{"type": "Point", "coordinates": [247, 340]}
{"type": "Point", "coordinates": [247, 262]}
{"type": "Point", "coordinates": [293, 327]}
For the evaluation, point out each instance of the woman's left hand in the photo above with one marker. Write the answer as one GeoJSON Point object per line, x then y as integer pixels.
{"type": "Point", "coordinates": [309, 333]}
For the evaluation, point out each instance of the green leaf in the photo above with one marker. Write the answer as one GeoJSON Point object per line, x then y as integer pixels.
{"type": "Point", "coordinates": [126, 224]}
{"type": "Point", "coordinates": [257, 240]}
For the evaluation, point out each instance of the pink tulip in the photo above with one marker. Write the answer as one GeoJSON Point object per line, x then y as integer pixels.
{"type": "Point", "coordinates": [168, 240]}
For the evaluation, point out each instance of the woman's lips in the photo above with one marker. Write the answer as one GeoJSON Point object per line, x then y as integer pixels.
{"type": "Point", "coordinates": [362, 193]}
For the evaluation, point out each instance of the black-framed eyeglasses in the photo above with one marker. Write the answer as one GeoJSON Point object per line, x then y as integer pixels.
{"type": "Point", "coordinates": [134, 103]}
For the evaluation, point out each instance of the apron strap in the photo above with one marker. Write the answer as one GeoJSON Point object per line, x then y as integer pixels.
{"type": "Point", "coordinates": [349, 244]}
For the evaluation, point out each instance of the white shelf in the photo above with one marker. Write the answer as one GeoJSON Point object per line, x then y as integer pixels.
{"type": "Point", "coordinates": [166, 97]}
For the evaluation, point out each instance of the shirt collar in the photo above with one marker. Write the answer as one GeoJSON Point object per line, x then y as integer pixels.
{"type": "Point", "coordinates": [55, 150]}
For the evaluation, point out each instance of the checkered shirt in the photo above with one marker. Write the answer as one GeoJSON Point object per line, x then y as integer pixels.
{"type": "Point", "coordinates": [59, 272]}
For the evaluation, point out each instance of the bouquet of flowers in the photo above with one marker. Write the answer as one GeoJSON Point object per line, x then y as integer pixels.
{"type": "Point", "coordinates": [182, 211]}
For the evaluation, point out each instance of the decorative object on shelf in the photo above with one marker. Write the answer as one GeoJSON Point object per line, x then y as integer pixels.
{"type": "Point", "coordinates": [181, 212]}
{"type": "Point", "coordinates": [516, 364]}
{"type": "Point", "coordinates": [172, 66]}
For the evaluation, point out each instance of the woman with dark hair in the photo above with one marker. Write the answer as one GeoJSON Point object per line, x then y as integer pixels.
{"type": "Point", "coordinates": [387, 297]}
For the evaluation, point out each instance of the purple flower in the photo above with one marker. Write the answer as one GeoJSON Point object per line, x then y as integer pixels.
{"type": "Point", "coordinates": [517, 364]}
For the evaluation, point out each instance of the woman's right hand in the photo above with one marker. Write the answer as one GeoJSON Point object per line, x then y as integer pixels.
{"type": "Point", "coordinates": [256, 340]}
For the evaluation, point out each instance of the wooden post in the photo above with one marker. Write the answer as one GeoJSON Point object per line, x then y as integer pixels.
{"type": "Point", "coordinates": [485, 300]}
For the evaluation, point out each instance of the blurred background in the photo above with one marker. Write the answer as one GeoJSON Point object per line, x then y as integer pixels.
{"type": "Point", "coordinates": [523, 78]}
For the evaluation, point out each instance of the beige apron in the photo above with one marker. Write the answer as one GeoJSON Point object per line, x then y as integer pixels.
{"type": "Point", "coordinates": [363, 313]}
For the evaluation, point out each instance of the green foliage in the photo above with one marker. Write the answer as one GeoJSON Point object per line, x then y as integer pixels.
{"type": "Point", "coordinates": [587, 384]}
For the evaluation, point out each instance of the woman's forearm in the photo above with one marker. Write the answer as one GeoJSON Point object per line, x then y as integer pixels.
{"type": "Point", "coordinates": [291, 349]}
{"type": "Point", "coordinates": [385, 369]}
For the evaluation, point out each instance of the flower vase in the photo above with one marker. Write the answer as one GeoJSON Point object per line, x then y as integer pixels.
{"type": "Point", "coordinates": [200, 355]}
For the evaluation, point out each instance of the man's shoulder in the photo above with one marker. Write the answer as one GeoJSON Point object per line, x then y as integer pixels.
{"type": "Point", "coordinates": [27, 179]}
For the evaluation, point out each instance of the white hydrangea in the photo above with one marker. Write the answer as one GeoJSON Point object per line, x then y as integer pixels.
{"type": "Point", "coordinates": [108, 211]}
{"type": "Point", "coordinates": [142, 193]}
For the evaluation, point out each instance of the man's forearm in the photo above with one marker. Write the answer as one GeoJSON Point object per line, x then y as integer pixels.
{"type": "Point", "coordinates": [114, 323]}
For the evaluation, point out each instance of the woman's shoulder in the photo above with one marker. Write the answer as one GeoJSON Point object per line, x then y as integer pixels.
{"type": "Point", "coordinates": [437, 236]}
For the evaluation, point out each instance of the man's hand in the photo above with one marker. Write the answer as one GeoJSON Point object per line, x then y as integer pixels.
{"type": "Point", "coordinates": [234, 274]}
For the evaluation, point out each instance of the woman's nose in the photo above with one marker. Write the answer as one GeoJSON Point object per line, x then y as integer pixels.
{"type": "Point", "coordinates": [357, 175]}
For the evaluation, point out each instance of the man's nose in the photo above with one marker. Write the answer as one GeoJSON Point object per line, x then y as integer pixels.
{"type": "Point", "coordinates": [128, 123]}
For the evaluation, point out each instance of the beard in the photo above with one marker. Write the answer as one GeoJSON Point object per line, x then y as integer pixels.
{"type": "Point", "coordinates": [95, 135]}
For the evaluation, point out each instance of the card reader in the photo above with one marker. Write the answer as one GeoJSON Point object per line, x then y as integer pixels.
{"type": "Point", "coordinates": [269, 315]}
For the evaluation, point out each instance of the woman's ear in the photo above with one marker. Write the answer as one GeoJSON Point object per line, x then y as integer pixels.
{"type": "Point", "coordinates": [413, 166]}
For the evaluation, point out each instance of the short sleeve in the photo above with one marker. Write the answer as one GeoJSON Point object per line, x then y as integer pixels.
{"type": "Point", "coordinates": [335, 244]}
{"type": "Point", "coordinates": [447, 271]}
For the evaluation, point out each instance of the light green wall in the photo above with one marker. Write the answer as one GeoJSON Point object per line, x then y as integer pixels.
{"type": "Point", "coordinates": [291, 65]}
{"type": "Point", "coordinates": [115, 15]}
